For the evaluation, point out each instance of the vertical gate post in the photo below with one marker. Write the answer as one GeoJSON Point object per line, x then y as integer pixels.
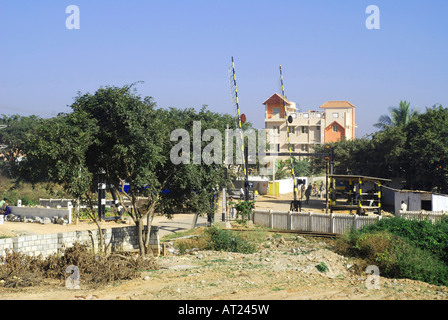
{"type": "Point", "coordinates": [288, 223]}
{"type": "Point", "coordinates": [331, 223]}
{"type": "Point", "coordinates": [310, 224]}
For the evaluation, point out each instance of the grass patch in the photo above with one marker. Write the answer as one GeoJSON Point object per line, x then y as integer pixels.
{"type": "Point", "coordinates": [278, 289]}
{"type": "Point", "coordinates": [217, 239]}
{"type": "Point", "coordinates": [322, 267]}
{"type": "Point", "coordinates": [226, 240]}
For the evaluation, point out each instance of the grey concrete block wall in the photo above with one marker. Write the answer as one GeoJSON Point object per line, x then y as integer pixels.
{"type": "Point", "coordinates": [6, 243]}
{"type": "Point", "coordinates": [115, 239]}
{"type": "Point", "coordinates": [42, 212]}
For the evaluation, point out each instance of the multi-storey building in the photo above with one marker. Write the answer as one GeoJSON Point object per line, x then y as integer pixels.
{"type": "Point", "coordinates": [339, 120]}
{"type": "Point", "coordinates": [334, 122]}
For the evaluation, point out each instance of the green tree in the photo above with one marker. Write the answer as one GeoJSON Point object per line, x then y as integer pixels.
{"type": "Point", "coordinates": [191, 186]}
{"type": "Point", "coordinates": [426, 155]}
{"type": "Point", "coordinates": [350, 156]}
{"type": "Point", "coordinates": [13, 136]}
{"type": "Point", "coordinates": [302, 168]}
{"type": "Point", "coordinates": [56, 153]}
{"type": "Point", "coordinates": [416, 152]}
{"type": "Point", "coordinates": [123, 135]}
{"type": "Point", "coordinates": [386, 153]}
{"type": "Point", "coordinates": [282, 169]}
{"type": "Point", "coordinates": [399, 116]}
{"type": "Point", "coordinates": [130, 147]}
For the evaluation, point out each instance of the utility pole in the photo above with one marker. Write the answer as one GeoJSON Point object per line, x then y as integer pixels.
{"type": "Point", "coordinates": [224, 198]}
{"type": "Point", "coordinates": [101, 194]}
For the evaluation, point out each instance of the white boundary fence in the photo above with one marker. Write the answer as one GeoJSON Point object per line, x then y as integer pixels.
{"type": "Point", "coordinates": [311, 222]}
{"type": "Point", "coordinates": [434, 216]}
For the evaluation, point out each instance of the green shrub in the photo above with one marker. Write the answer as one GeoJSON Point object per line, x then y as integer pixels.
{"type": "Point", "coordinates": [417, 264]}
{"type": "Point", "coordinates": [322, 267]}
{"type": "Point", "coordinates": [26, 201]}
{"type": "Point", "coordinates": [424, 234]}
{"type": "Point", "coordinates": [396, 256]}
{"type": "Point", "coordinates": [243, 208]}
{"type": "Point", "coordinates": [226, 240]}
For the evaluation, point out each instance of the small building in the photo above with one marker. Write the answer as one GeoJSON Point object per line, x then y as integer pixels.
{"type": "Point", "coordinates": [256, 183]}
{"type": "Point", "coordinates": [339, 120]}
{"type": "Point", "coordinates": [416, 200]}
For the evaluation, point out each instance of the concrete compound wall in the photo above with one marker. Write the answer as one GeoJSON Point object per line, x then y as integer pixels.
{"type": "Point", "coordinates": [32, 212]}
{"type": "Point", "coordinates": [116, 239]}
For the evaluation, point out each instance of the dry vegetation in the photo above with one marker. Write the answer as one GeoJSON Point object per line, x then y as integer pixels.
{"type": "Point", "coordinates": [20, 270]}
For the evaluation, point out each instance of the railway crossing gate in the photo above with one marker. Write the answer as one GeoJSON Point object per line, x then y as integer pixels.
{"type": "Point", "coordinates": [350, 189]}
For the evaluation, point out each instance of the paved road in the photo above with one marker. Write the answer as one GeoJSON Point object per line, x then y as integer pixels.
{"type": "Point", "coordinates": [180, 222]}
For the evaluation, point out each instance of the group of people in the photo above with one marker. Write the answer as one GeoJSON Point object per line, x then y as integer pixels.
{"type": "Point", "coordinates": [311, 190]}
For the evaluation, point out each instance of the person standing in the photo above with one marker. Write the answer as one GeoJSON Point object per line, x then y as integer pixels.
{"type": "Point", "coordinates": [308, 193]}
{"type": "Point", "coordinates": [302, 191]}
{"type": "Point", "coordinates": [321, 189]}
{"type": "Point", "coordinates": [403, 207]}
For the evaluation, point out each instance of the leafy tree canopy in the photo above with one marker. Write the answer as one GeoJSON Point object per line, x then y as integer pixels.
{"type": "Point", "coordinates": [122, 137]}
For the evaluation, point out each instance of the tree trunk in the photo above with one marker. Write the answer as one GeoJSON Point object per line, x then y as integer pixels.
{"type": "Point", "coordinates": [149, 218]}
{"type": "Point", "coordinates": [101, 245]}
{"type": "Point", "coordinates": [95, 219]}
{"type": "Point", "coordinates": [140, 230]}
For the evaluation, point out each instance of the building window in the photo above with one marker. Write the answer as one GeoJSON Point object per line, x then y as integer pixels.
{"type": "Point", "coordinates": [335, 115]}
{"type": "Point", "coordinates": [335, 128]}
{"type": "Point", "coordinates": [292, 129]}
{"type": "Point", "coordinates": [277, 147]}
{"type": "Point", "coordinates": [318, 115]}
{"type": "Point", "coordinates": [293, 148]}
{"type": "Point", "coordinates": [318, 128]}
{"type": "Point", "coordinates": [305, 147]}
{"type": "Point", "coordinates": [306, 115]}
{"type": "Point", "coordinates": [276, 129]}
{"type": "Point", "coordinates": [304, 129]}
{"type": "Point", "coordinates": [276, 113]}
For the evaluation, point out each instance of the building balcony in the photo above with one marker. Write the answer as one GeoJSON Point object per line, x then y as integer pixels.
{"type": "Point", "coordinates": [275, 119]}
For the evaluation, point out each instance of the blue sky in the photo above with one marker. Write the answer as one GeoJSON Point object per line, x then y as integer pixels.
{"type": "Point", "coordinates": [182, 51]}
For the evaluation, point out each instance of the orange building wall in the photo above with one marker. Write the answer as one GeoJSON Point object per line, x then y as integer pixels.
{"type": "Point", "coordinates": [275, 105]}
{"type": "Point", "coordinates": [331, 136]}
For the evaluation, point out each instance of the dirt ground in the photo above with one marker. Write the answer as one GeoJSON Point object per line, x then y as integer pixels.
{"type": "Point", "coordinates": [284, 268]}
